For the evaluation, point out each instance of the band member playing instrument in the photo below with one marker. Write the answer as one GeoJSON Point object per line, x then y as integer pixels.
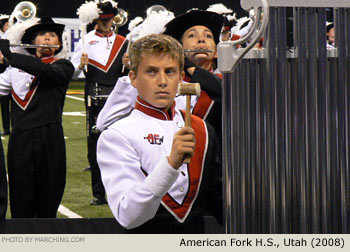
{"type": "Point", "coordinates": [5, 100]}
{"type": "Point", "coordinates": [36, 150]}
{"type": "Point", "coordinates": [5, 114]}
{"type": "Point", "coordinates": [198, 29]}
{"type": "Point", "coordinates": [149, 189]}
{"type": "Point", "coordinates": [103, 57]}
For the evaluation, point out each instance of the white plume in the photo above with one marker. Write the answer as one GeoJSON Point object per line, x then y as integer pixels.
{"type": "Point", "coordinates": [232, 17]}
{"type": "Point", "coordinates": [219, 8]}
{"type": "Point", "coordinates": [240, 22]}
{"type": "Point", "coordinates": [3, 16]}
{"type": "Point", "coordinates": [153, 24]}
{"type": "Point", "coordinates": [15, 33]}
{"type": "Point", "coordinates": [63, 54]}
{"type": "Point", "coordinates": [192, 9]}
{"type": "Point", "coordinates": [133, 23]}
{"type": "Point", "coordinates": [12, 18]}
{"type": "Point", "coordinates": [88, 12]}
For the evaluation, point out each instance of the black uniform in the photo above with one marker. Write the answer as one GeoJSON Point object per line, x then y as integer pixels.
{"type": "Point", "coordinates": [5, 113]}
{"type": "Point", "coordinates": [3, 190]}
{"type": "Point", "coordinates": [36, 151]}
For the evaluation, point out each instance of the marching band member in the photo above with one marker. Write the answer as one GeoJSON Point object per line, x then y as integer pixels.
{"type": "Point", "coordinates": [102, 55]}
{"type": "Point", "coordinates": [330, 35]}
{"type": "Point", "coordinates": [4, 24]}
{"type": "Point", "coordinates": [149, 189]}
{"type": "Point", "coordinates": [122, 98]}
{"type": "Point", "coordinates": [36, 149]}
{"type": "Point", "coordinates": [5, 100]}
{"type": "Point", "coordinates": [3, 179]}
{"type": "Point", "coordinates": [196, 29]}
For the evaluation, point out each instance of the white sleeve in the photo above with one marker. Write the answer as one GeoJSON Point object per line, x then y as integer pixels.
{"type": "Point", "coordinates": [120, 101]}
{"type": "Point", "coordinates": [181, 102]}
{"type": "Point", "coordinates": [132, 197]}
{"type": "Point", "coordinates": [5, 82]}
{"type": "Point", "coordinates": [76, 59]}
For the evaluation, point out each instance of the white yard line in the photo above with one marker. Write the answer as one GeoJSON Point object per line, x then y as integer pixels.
{"type": "Point", "coordinates": [75, 98]}
{"type": "Point", "coordinates": [62, 209]}
{"type": "Point", "coordinates": [65, 211]}
{"type": "Point", "coordinates": [81, 113]}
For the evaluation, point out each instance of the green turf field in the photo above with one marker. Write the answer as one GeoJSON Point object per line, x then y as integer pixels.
{"type": "Point", "coordinates": [77, 193]}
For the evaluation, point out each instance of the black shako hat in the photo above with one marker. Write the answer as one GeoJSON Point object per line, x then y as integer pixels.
{"type": "Point", "coordinates": [329, 26]}
{"type": "Point", "coordinates": [44, 24]}
{"type": "Point", "coordinates": [177, 26]}
{"type": "Point", "coordinates": [107, 10]}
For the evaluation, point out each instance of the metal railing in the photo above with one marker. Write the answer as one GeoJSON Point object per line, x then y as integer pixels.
{"type": "Point", "coordinates": [286, 126]}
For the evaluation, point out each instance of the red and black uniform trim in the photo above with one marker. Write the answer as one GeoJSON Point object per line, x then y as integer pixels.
{"type": "Point", "coordinates": [154, 112]}
{"type": "Point", "coordinates": [33, 87]}
{"type": "Point", "coordinates": [117, 45]}
{"type": "Point", "coordinates": [195, 169]}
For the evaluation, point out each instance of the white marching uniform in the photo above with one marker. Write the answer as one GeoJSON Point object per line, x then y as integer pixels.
{"type": "Point", "coordinates": [103, 52]}
{"type": "Point", "coordinates": [143, 190]}
{"type": "Point", "coordinates": [122, 100]}
{"type": "Point", "coordinates": [105, 66]}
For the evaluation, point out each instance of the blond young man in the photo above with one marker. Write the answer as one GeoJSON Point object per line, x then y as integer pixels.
{"type": "Point", "coordinates": [149, 188]}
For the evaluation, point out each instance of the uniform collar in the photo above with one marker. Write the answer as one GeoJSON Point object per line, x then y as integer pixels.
{"type": "Point", "coordinates": [150, 110]}
{"type": "Point", "coordinates": [102, 35]}
{"type": "Point", "coordinates": [48, 59]}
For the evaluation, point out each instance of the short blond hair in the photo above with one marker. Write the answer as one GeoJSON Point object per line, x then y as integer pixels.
{"type": "Point", "coordinates": [158, 44]}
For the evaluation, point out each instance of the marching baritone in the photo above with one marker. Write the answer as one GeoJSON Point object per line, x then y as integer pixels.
{"type": "Point", "coordinates": [100, 51]}
{"type": "Point", "coordinates": [36, 151]}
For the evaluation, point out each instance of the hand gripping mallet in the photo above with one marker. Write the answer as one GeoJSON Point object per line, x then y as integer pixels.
{"type": "Point", "coordinates": [189, 89]}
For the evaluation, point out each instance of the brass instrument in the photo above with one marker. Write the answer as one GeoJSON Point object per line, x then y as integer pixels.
{"type": "Point", "coordinates": [24, 11]}
{"type": "Point", "coordinates": [120, 19]}
{"type": "Point", "coordinates": [156, 8]}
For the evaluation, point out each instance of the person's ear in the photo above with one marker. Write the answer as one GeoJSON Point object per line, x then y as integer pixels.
{"type": "Point", "coordinates": [132, 77]}
{"type": "Point", "coordinates": [182, 76]}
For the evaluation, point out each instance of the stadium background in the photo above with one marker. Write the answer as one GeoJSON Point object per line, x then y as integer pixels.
{"type": "Point", "coordinates": [75, 203]}
{"type": "Point", "coordinates": [67, 9]}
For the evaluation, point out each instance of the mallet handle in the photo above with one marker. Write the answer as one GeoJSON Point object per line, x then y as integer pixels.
{"type": "Point", "coordinates": [188, 123]}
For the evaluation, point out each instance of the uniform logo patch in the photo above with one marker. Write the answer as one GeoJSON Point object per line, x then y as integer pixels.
{"type": "Point", "coordinates": [154, 139]}
{"type": "Point", "coordinates": [93, 42]}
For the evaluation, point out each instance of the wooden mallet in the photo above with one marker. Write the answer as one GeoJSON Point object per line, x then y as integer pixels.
{"type": "Point", "coordinates": [189, 89]}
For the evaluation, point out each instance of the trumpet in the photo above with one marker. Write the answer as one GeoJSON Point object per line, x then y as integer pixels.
{"type": "Point", "coordinates": [33, 46]}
